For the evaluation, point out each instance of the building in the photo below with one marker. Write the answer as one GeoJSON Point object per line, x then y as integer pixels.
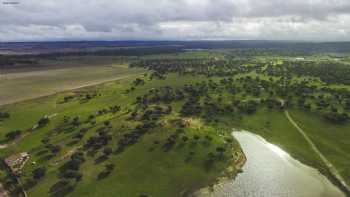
{"type": "Point", "coordinates": [17, 161]}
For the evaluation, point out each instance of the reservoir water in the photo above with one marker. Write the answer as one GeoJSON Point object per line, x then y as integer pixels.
{"type": "Point", "coordinates": [271, 172]}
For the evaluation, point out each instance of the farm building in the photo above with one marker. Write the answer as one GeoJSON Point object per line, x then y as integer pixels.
{"type": "Point", "coordinates": [17, 161]}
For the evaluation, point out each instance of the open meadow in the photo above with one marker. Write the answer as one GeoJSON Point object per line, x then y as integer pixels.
{"type": "Point", "coordinates": [52, 76]}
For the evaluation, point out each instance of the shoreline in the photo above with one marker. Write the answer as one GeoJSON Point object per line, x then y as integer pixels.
{"type": "Point", "coordinates": [231, 172]}
{"type": "Point", "coordinates": [321, 169]}
{"type": "Point", "coordinates": [211, 187]}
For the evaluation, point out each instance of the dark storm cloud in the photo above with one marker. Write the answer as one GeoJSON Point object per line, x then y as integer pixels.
{"type": "Point", "coordinates": [175, 19]}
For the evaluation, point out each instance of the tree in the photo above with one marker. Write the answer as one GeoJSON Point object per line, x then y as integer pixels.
{"type": "Point", "coordinates": [248, 107]}
{"type": "Point", "coordinates": [91, 117]}
{"type": "Point", "coordinates": [196, 137]}
{"type": "Point", "coordinates": [107, 151]}
{"type": "Point", "coordinates": [220, 150]}
{"type": "Point", "coordinates": [335, 117]}
{"type": "Point", "coordinates": [45, 140]}
{"type": "Point", "coordinates": [74, 163]}
{"type": "Point", "coordinates": [13, 134]}
{"type": "Point", "coordinates": [108, 169]}
{"type": "Point", "coordinates": [39, 173]}
{"type": "Point", "coordinates": [54, 148]}
{"type": "Point", "coordinates": [138, 81]}
{"type": "Point", "coordinates": [76, 121]}
{"type": "Point", "coordinates": [62, 187]}
{"type": "Point", "coordinates": [72, 174]}
{"type": "Point", "coordinates": [4, 115]}
{"type": "Point", "coordinates": [43, 121]}
{"type": "Point", "coordinates": [347, 104]}
{"type": "Point", "coordinates": [107, 123]}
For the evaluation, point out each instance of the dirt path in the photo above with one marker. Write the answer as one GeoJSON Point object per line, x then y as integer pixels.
{"type": "Point", "coordinates": [329, 165]}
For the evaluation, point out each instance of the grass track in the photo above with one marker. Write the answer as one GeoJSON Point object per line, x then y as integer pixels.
{"type": "Point", "coordinates": [329, 165]}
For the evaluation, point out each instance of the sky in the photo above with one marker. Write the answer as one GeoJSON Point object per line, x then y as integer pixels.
{"type": "Point", "coordinates": [43, 20]}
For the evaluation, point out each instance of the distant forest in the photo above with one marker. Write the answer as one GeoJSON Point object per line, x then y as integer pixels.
{"type": "Point", "coordinates": [334, 47]}
{"type": "Point", "coordinates": [29, 52]}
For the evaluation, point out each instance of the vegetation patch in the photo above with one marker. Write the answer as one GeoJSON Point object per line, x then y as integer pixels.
{"type": "Point", "coordinates": [167, 132]}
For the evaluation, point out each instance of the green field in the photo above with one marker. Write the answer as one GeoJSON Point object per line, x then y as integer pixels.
{"type": "Point", "coordinates": [53, 76]}
{"type": "Point", "coordinates": [181, 117]}
{"type": "Point", "coordinates": [332, 140]}
{"type": "Point", "coordinates": [169, 173]}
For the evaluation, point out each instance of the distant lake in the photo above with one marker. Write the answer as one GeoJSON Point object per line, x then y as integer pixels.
{"type": "Point", "coordinates": [271, 172]}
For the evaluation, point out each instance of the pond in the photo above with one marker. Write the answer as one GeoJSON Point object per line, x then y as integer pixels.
{"type": "Point", "coordinates": [271, 172]}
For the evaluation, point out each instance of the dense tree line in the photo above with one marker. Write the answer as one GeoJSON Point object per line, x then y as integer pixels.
{"type": "Point", "coordinates": [14, 61]}
{"type": "Point", "coordinates": [208, 67]}
{"type": "Point", "coordinates": [329, 72]}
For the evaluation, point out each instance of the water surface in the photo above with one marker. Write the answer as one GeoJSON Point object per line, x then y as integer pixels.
{"type": "Point", "coordinates": [271, 172]}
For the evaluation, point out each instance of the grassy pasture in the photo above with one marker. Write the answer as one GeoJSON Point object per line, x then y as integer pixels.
{"type": "Point", "coordinates": [332, 140]}
{"type": "Point", "coordinates": [56, 76]}
{"type": "Point", "coordinates": [144, 168]}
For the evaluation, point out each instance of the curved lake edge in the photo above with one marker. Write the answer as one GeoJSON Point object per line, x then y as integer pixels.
{"type": "Point", "coordinates": [229, 173]}
{"type": "Point", "coordinates": [324, 177]}
{"type": "Point", "coordinates": [310, 163]}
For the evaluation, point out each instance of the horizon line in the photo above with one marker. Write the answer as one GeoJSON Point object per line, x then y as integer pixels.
{"type": "Point", "coordinates": [176, 40]}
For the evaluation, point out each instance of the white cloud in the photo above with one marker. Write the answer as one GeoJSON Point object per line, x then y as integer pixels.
{"type": "Point", "coordinates": [170, 19]}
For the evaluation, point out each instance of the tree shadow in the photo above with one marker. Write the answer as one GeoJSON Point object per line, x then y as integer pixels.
{"type": "Point", "coordinates": [103, 174]}
{"type": "Point", "coordinates": [101, 159]}
{"type": "Point", "coordinates": [61, 188]}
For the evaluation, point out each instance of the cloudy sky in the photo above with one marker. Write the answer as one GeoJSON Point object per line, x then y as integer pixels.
{"type": "Point", "coordinates": [31, 20]}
